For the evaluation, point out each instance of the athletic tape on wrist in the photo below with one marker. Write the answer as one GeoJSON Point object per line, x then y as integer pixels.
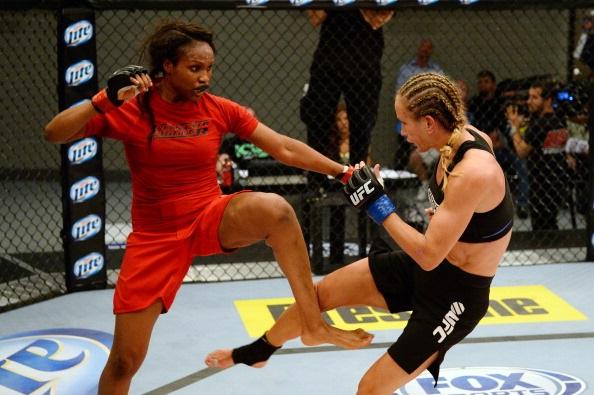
{"type": "Point", "coordinates": [346, 174]}
{"type": "Point", "coordinates": [381, 209]}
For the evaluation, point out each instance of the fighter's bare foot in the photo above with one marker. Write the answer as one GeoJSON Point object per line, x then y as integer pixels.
{"type": "Point", "coordinates": [255, 354]}
{"type": "Point", "coordinates": [222, 359]}
{"type": "Point", "coordinates": [349, 339]}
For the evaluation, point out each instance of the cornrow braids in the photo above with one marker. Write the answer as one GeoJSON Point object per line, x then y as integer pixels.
{"type": "Point", "coordinates": [436, 95]}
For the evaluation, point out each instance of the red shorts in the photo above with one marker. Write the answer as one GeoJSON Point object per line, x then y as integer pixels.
{"type": "Point", "coordinates": [155, 264]}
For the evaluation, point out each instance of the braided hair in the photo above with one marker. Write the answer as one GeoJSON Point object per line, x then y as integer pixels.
{"type": "Point", "coordinates": [166, 43]}
{"type": "Point", "coordinates": [436, 95]}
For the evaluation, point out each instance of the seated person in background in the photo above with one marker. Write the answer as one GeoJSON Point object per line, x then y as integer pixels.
{"type": "Point", "coordinates": [422, 63]}
{"type": "Point", "coordinates": [488, 111]}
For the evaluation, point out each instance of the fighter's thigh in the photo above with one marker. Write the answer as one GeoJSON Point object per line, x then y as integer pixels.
{"type": "Point", "coordinates": [350, 285]}
{"type": "Point", "coordinates": [250, 217]}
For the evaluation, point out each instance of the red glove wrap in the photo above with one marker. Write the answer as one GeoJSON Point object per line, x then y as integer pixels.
{"type": "Point", "coordinates": [346, 174]}
{"type": "Point", "coordinates": [101, 102]}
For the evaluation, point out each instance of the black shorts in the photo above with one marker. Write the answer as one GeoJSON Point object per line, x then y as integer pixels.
{"type": "Point", "coordinates": [446, 303]}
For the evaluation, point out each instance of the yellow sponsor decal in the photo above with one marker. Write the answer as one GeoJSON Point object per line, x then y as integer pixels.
{"type": "Point", "coordinates": [507, 305]}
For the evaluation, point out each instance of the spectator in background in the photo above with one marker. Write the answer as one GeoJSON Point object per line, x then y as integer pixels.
{"type": "Point", "coordinates": [347, 63]}
{"type": "Point", "coordinates": [488, 111]}
{"type": "Point", "coordinates": [422, 63]}
{"type": "Point", "coordinates": [464, 95]}
{"type": "Point", "coordinates": [543, 147]}
{"type": "Point", "coordinates": [420, 163]}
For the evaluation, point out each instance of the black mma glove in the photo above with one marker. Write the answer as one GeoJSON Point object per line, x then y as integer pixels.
{"type": "Point", "coordinates": [365, 191]}
{"type": "Point", "coordinates": [107, 99]}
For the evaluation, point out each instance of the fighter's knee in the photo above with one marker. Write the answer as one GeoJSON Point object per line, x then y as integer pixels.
{"type": "Point", "coordinates": [278, 209]}
{"type": "Point", "coordinates": [125, 364]}
{"type": "Point", "coordinates": [366, 387]}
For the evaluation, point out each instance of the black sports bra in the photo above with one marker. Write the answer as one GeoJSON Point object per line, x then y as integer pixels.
{"type": "Point", "coordinates": [483, 227]}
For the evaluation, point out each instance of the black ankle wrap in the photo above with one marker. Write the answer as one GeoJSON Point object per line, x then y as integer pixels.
{"type": "Point", "coordinates": [258, 351]}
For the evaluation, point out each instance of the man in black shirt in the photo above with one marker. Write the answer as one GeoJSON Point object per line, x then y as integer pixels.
{"type": "Point", "coordinates": [542, 145]}
{"type": "Point", "coordinates": [347, 63]}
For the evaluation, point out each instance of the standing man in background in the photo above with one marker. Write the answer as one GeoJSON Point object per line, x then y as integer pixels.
{"type": "Point", "coordinates": [346, 62]}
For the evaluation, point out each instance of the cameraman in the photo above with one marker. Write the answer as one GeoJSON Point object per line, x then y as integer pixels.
{"type": "Point", "coordinates": [542, 145]}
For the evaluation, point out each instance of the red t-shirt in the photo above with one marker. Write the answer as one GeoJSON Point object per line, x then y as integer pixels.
{"type": "Point", "coordinates": [174, 176]}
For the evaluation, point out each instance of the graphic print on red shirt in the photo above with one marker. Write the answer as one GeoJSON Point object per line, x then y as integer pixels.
{"type": "Point", "coordinates": [173, 172]}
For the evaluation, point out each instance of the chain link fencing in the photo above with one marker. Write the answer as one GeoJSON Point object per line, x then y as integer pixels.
{"type": "Point", "coordinates": [265, 61]}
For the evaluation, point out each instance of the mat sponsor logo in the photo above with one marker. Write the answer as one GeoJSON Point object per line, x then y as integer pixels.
{"type": "Point", "coordinates": [85, 189]}
{"type": "Point", "coordinates": [53, 361]}
{"type": "Point", "coordinates": [385, 2]}
{"type": "Point", "coordinates": [86, 227]}
{"type": "Point", "coordinates": [507, 305]}
{"type": "Point", "coordinates": [495, 381]}
{"type": "Point", "coordinates": [82, 151]}
{"type": "Point", "coordinates": [343, 2]}
{"type": "Point", "coordinates": [256, 2]}
{"type": "Point", "coordinates": [79, 73]}
{"type": "Point", "coordinates": [88, 265]}
{"type": "Point", "coordinates": [78, 33]}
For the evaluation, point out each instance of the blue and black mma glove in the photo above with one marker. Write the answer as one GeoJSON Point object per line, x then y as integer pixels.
{"type": "Point", "coordinates": [365, 191]}
{"type": "Point", "coordinates": [107, 99]}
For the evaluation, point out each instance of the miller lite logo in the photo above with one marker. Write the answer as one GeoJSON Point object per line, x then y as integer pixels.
{"type": "Point", "coordinates": [79, 73]}
{"type": "Point", "coordinates": [357, 196]}
{"type": "Point", "coordinates": [78, 33]}
{"type": "Point", "coordinates": [84, 189]}
{"type": "Point", "coordinates": [82, 151]}
{"type": "Point", "coordinates": [88, 265]}
{"type": "Point", "coordinates": [86, 227]}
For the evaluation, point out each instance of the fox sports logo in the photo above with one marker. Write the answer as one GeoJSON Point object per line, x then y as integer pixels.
{"type": "Point", "coordinates": [78, 33]}
{"type": "Point", "coordinates": [82, 151]}
{"type": "Point", "coordinates": [79, 73]}
{"type": "Point", "coordinates": [88, 265]}
{"type": "Point", "coordinates": [495, 381]}
{"type": "Point", "coordinates": [84, 189]}
{"type": "Point", "coordinates": [86, 227]}
{"type": "Point", "coordinates": [53, 361]}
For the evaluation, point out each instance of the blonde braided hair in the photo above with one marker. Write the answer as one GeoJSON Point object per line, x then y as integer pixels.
{"type": "Point", "coordinates": [436, 95]}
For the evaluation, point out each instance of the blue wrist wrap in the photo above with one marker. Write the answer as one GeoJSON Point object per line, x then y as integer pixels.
{"type": "Point", "coordinates": [381, 209]}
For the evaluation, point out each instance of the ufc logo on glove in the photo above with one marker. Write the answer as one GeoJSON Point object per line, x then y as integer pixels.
{"type": "Point", "coordinates": [364, 189]}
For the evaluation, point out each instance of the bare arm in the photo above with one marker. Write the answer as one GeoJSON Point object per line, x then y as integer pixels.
{"type": "Point", "coordinates": [316, 17]}
{"type": "Point", "coordinates": [463, 195]}
{"type": "Point", "coordinates": [293, 152]}
{"type": "Point", "coordinates": [516, 120]}
{"type": "Point", "coordinates": [522, 148]}
{"type": "Point", "coordinates": [377, 18]}
{"type": "Point", "coordinates": [68, 125]}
